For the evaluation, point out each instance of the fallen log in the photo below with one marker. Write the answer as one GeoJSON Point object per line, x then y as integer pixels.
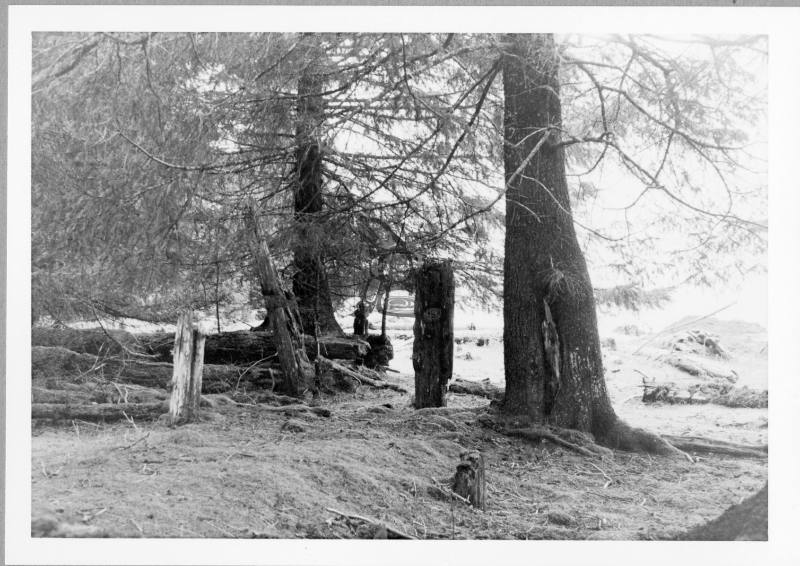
{"type": "Point", "coordinates": [245, 347]}
{"type": "Point", "coordinates": [90, 341]}
{"type": "Point", "coordinates": [57, 363]}
{"type": "Point", "coordinates": [478, 388]}
{"type": "Point", "coordinates": [42, 395]}
{"type": "Point", "coordinates": [239, 347]}
{"type": "Point", "coordinates": [100, 412]}
{"type": "Point", "coordinates": [99, 393]}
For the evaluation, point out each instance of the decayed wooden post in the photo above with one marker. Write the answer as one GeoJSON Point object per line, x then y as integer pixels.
{"type": "Point", "coordinates": [433, 333]}
{"type": "Point", "coordinates": [187, 371]}
{"type": "Point", "coordinates": [291, 352]}
{"type": "Point", "coordinates": [470, 479]}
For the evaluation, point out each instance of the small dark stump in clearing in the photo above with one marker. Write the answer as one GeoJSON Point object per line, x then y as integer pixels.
{"type": "Point", "coordinates": [470, 479]}
{"type": "Point", "coordinates": [360, 323]}
{"type": "Point", "coordinates": [380, 352]}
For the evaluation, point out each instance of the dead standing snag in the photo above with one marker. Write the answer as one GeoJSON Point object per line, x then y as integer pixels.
{"type": "Point", "coordinates": [187, 375]}
{"type": "Point", "coordinates": [282, 314]}
{"type": "Point", "coordinates": [433, 333]}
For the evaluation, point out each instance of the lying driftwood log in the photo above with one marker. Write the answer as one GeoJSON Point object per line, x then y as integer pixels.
{"type": "Point", "coordinates": [700, 342]}
{"type": "Point", "coordinates": [719, 393]}
{"type": "Point", "coordinates": [479, 388]}
{"type": "Point", "coordinates": [100, 412]}
{"type": "Point", "coordinates": [701, 368]}
{"type": "Point", "coordinates": [670, 393]}
{"type": "Point", "coordinates": [51, 364]}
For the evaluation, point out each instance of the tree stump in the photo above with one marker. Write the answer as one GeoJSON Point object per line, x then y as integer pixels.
{"type": "Point", "coordinates": [470, 479]}
{"type": "Point", "coordinates": [187, 372]}
{"type": "Point", "coordinates": [381, 351]}
{"type": "Point", "coordinates": [433, 333]}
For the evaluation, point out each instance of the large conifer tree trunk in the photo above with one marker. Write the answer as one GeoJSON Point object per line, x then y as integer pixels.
{"type": "Point", "coordinates": [553, 362]}
{"type": "Point", "coordinates": [310, 282]}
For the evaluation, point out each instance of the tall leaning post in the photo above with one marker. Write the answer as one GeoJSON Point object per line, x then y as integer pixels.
{"type": "Point", "coordinates": [433, 333]}
{"type": "Point", "coordinates": [187, 371]}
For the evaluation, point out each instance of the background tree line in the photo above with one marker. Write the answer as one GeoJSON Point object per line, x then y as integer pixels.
{"type": "Point", "coordinates": [146, 146]}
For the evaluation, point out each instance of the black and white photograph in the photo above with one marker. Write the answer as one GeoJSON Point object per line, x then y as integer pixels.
{"type": "Point", "coordinates": [491, 283]}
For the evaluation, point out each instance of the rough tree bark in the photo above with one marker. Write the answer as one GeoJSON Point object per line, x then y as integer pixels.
{"type": "Point", "coordinates": [553, 363]}
{"type": "Point", "coordinates": [310, 282]}
{"type": "Point", "coordinates": [291, 353]}
{"type": "Point", "coordinates": [433, 333]}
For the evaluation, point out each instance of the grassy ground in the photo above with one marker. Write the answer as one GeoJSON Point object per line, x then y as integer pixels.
{"type": "Point", "coordinates": [247, 473]}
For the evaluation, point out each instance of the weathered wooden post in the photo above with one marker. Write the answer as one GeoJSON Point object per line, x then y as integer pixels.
{"type": "Point", "coordinates": [433, 333]}
{"type": "Point", "coordinates": [470, 479]}
{"type": "Point", "coordinates": [187, 371]}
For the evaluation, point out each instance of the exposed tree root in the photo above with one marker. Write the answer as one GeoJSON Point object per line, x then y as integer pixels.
{"type": "Point", "coordinates": [294, 410]}
{"type": "Point", "coordinates": [621, 436]}
{"type": "Point", "coordinates": [563, 437]}
{"type": "Point", "coordinates": [710, 446]}
{"type": "Point", "coordinates": [358, 376]}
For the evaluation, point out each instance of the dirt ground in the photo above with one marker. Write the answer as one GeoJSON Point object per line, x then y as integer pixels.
{"type": "Point", "coordinates": [246, 472]}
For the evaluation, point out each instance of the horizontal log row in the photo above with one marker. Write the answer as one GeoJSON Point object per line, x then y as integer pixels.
{"type": "Point", "coordinates": [240, 347]}
{"type": "Point", "coordinates": [55, 363]}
